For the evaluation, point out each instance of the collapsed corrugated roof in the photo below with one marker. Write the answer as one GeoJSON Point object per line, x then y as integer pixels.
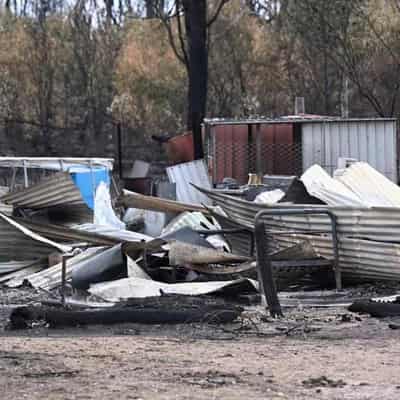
{"type": "Point", "coordinates": [369, 185]}
{"type": "Point", "coordinates": [17, 242]}
{"type": "Point", "coordinates": [49, 192]}
{"type": "Point", "coordinates": [50, 278]}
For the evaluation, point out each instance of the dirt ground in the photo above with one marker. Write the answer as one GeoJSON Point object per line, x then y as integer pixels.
{"type": "Point", "coordinates": [309, 354]}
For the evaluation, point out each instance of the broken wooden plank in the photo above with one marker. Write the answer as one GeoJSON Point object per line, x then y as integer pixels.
{"type": "Point", "coordinates": [182, 253]}
{"type": "Point", "coordinates": [136, 200]}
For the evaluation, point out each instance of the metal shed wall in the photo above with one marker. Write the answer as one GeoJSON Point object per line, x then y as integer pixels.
{"type": "Point", "coordinates": [236, 149]}
{"type": "Point", "coordinates": [373, 141]}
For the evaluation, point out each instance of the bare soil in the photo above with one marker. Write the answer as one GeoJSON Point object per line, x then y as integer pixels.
{"type": "Point", "coordinates": [309, 354]}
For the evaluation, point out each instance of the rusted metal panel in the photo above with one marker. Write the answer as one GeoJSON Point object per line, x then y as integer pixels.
{"type": "Point", "coordinates": [240, 149]}
{"type": "Point", "coordinates": [277, 150]}
{"type": "Point", "coordinates": [230, 152]}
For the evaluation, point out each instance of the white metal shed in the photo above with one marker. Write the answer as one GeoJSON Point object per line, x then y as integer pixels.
{"type": "Point", "coordinates": [370, 140]}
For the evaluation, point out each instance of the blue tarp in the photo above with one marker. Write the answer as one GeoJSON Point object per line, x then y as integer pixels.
{"type": "Point", "coordinates": [87, 180]}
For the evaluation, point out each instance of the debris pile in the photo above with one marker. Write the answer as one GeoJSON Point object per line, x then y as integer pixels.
{"type": "Point", "coordinates": [66, 235]}
{"type": "Point", "coordinates": [48, 243]}
{"type": "Point", "coordinates": [365, 203]}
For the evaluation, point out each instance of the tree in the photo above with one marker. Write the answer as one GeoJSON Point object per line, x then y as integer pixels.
{"type": "Point", "coordinates": [190, 45]}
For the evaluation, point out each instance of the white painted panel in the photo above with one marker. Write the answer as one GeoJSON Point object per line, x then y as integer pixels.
{"type": "Point", "coordinates": [372, 141]}
{"type": "Point", "coordinates": [184, 175]}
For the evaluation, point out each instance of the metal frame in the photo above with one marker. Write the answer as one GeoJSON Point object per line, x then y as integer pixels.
{"type": "Point", "coordinates": [265, 263]}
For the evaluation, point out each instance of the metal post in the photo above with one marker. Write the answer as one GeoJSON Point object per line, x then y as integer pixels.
{"type": "Point", "coordinates": [338, 272]}
{"type": "Point", "coordinates": [119, 139]}
{"type": "Point", "coordinates": [26, 182]}
{"type": "Point", "coordinates": [259, 152]}
{"type": "Point", "coordinates": [64, 257]}
{"type": "Point", "coordinates": [13, 177]}
{"type": "Point", "coordinates": [63, 278]}
{"type": "Point", "coordinates": [93, 181]}
{"type": "Point", "coordinates": [264, 269]}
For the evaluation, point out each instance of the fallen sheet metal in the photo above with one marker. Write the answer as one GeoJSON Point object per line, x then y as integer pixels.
{"type": "Point", "coordinates": [370, 185]}
{"type": "Point", "coordinates": [5, 208]}
{"type": "Point", "coordinates": [11, 266]}
{"type": "Point", "coordinates": [50, 278]}
{"type": "Point", "coordinates": [197, 221]}
{"type": "Point", "coordinates": [86, 233]}
{"type": "Point", "coordinates": [51, 191]}
{"type": "Point", "coordinates": [357, 258]}
{"type": "Point", "coordinates": [16, 278]}
{"type": "Point", "coordinates": [18, 243]}
{"type": "Point", "coordinates": [137, 288]}
{"type": "Point", "coordinates": [375, 223]}
{"type": "Point", "coordinates": [331, 191]}
{"type": "Point", "coordinates": [185, 174]}
{"type": "Point", "coordinates": [105, 266]}
{"type": "Point", "coordinates": [117, 235]}
{"type": "Point", "coordinates": [140, 201]}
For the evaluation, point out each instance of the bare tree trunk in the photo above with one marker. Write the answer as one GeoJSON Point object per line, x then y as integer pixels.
{"type": "Point", "coordinates": [196, 31]}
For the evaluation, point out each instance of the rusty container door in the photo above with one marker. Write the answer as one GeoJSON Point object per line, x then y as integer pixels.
{"type": "Point", "coordinates": [278, 148]}
{"type": "Point", "coordinates": [230, 152]}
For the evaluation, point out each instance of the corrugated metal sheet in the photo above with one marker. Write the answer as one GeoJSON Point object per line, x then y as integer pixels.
{"type": "Point", "coordinates": [75, 234]}
{"type": "Point", "coordinates": [373, 188]}
{"type": "Point", "coordinates": [118, 235]}
{"type": "Point", "coordinates": [376, 223]}
{"type": "Point", "coordinates": [357, 257]}
{"type": "Point", "coordinates": [331, 191]}
{"type": "Point", "coordinates": [16, 278]}
{"type": "Point", "coordinates": [5, 208]}
{"type": "Point", "coordinates": [50, 278]}
{"type": "Point", "coordinates": [20, 243]}
{"type": "Point", "coordinates": [11, 266]}
{"type": "Point", "coordinates": [194, 220]}
{"type": "Point", "coordinates": [184, 175]}
{"type": "Point", "coordinates": [52, 191]}
{"type": "Point", "coordinates": [373, 141]}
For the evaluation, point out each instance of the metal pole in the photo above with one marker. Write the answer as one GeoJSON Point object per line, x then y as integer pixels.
{"type": "Point", "coordinates": [258, 152]}
{"type": "Point", "coordinates": [13, 177]}
{"type": "Point", "coordinates": [26, 183]}
{"type": "Point", "coordinates": [119, 138]}
{"type": "Point", "coordinates": [63, 278]}
{"type": "Point", "coordinates": [64, 258]}
{"type": "Point", "coordinates": [264, 268]}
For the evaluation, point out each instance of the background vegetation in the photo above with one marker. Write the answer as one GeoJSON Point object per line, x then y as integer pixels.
{"type": "Point", "coordinates": [69, 71]}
